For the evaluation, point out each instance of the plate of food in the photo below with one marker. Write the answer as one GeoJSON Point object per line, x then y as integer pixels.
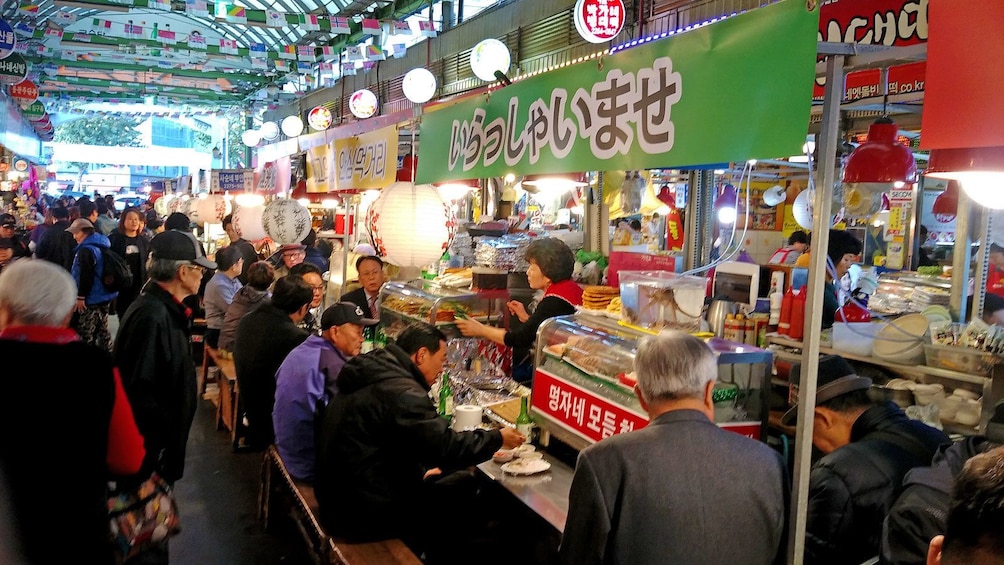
{"type": "Point", "coordinates": [523, 466]}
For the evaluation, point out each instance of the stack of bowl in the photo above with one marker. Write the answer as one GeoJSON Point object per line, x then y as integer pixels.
{"type": "Point", "coordinates": [902, 340]}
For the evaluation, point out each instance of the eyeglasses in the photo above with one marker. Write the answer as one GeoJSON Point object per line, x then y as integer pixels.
{"type": "Point", "coordinates": [199, 268]}
{"type": "Point", "coordinates": [318, 288]}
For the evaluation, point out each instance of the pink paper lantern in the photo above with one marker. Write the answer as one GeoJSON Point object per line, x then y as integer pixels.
{"type": "Point", "coordinates": [410, 224]}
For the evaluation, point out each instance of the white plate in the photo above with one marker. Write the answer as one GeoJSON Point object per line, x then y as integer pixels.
{"type": "Point", "coordinates": [525, 466]}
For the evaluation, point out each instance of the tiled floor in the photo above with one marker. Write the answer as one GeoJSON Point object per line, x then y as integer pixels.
{"type": "Point", "coordinates": [217, 499]}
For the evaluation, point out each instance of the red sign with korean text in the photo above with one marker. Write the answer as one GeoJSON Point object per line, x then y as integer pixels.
{"type": "Point", "coordinates": [592, 417]}
{"type": "Point", "coordinates": [626, 261]}
{"type": "Point", "coordinates": [876, 22]}
{"type": "Point", "coordinates": [580, 411]}
{"type": "Point", "coordinates": [599, 21]}
{"type": "Point", "coordinates": [24, 92]}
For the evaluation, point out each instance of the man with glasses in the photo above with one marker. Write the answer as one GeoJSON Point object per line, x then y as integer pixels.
{"type": "Point", "coordinates": [290, 255]}
{"type": "Point", "coordinates": [371, 278]}
{"type": "Point", "coordinates": [153, 353]}
{"type": "Point", "coordinates": [312, 276]}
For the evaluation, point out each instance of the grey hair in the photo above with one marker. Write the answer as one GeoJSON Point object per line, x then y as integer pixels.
{"type": "Point", "coordinates": [163, 270]}
{"type": "Point", "coordinates": [37, 292]}
{"type": "Point", "coordinates": [674, 365]}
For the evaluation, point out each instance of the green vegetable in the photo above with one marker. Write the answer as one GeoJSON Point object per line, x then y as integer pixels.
{"type": "Point", "coordinates": [930, 271]}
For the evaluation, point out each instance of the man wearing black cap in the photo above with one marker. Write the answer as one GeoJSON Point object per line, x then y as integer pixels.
{"type": "Point", "coordinates": [6, 252]}
{"type": "Point", "coordinates": [868, 450]}
{"type": "Point", "coordinates": [308, 379]}
{"type": "Point", "coordinates": [153, 353]}
{"type": "Point", "coordinates": [8, 229]}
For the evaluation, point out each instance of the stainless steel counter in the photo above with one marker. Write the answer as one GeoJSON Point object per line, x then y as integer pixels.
{"type": "Point", "coordinates": [545, 493]}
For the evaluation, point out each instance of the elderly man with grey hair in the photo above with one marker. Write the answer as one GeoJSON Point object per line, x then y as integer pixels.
{"type": "Point", "coordinates": [153, 351]}
{"type": "Point", "coordinates": [680, 490]}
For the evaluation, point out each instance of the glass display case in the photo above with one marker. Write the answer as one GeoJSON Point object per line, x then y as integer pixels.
{"type": "Point", "coordinates": [583, 387]}
{"type": "Point", "coordinates": [421, 300]}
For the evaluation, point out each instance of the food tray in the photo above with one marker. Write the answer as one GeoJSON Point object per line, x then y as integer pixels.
{"type": "Point", "coordinates": [960, 359]}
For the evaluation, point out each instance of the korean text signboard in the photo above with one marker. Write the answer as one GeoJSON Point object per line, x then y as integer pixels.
{"type": "Point", "coordinates": [233, 180]}
{"type": "Point", "coordinates": [592, 417]}
{"type": "Point", "coordinates": [734, 90]}
{"type": "Point", "coordinates": [8, 40]}
{"type": "Point", "coordinates": [366, 161]}
{"type": "Point", "coordinates": [13, 69]}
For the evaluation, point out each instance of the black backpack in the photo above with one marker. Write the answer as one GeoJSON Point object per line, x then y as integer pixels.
{"type": "Point", "coordinates": [116, 275]}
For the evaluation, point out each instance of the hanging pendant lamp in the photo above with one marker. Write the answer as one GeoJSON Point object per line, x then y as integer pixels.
{"type": "Point", "coordinates": [881, 159]}
{"type": "Point", "coordinates": [980, 171]}
{"type": "Point", "coordinates": [947, 203]}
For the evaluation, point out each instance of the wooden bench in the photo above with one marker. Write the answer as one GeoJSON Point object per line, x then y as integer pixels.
{"type": "Point", "coordinates": [299, 504]}
{"type": "Point", "coordinates": [229, 394]}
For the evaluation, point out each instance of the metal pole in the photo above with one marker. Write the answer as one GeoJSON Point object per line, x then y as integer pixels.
{"type": "Point", "coordinates": [828, 139]}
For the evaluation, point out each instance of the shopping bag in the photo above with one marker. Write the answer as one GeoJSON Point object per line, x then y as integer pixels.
{"type": "Point", "coordinates": [142, 517]}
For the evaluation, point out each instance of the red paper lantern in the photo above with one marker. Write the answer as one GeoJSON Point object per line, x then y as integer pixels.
{"type": "Point", "coordinates": [947, 203]}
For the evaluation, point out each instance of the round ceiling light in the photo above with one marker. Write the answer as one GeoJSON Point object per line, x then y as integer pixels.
{"type": "Point", "coordinates": [292, 126]}
{"type": "Point", "coordinates": [488, 56]}
{"type": "Point", "coordinates": [269, 131]}
{"type": "Point", "coordinates": [319, 118]}
{"type": "Point", "coordinates": [419, 85]}
{"type": "Point", "coordinates": [251, 137]}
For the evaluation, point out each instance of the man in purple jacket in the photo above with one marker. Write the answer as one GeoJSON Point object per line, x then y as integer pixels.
{"type": "Point", "coordinates": [307, 380]}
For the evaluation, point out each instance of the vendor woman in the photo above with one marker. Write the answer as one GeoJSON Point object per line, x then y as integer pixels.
{"type": "Point", "coordinates": [551, 263]}
{"type": "Point", "coordinates": [843, 250]}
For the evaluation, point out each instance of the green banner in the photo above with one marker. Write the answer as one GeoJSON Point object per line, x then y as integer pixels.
{"type": "Point", "coordinates": [730, 91]}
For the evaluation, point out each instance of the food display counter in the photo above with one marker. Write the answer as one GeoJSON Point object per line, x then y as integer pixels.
{"type": "Point", "coordinates": [423, 301]}
{"type": "Point", "coordinates": [583, 392]}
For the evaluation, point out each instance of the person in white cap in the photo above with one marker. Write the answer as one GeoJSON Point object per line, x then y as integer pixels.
{"type": "Point", "coordinates": [153, 353]}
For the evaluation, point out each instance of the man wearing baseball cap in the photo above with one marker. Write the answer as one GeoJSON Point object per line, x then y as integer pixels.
{"type": "Point", "coordinates": [308, 379]}
{"type": "Point", "coordinates": [868, 447]}
{"type": "Point", "coordinates": [153, 353]}
{"type": "Point", "coordinates": [8, 229]}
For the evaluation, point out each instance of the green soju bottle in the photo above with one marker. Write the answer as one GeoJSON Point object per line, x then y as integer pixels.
{"type": "Point", "coordinates": [524, 424]}
{"type": "Point", "coordinates": [445, 397]}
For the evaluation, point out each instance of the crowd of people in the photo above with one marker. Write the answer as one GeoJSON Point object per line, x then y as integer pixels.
{"type": "Point", "coordinates": [361, 431]}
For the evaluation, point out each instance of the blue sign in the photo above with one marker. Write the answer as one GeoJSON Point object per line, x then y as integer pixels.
{"type": "Point", "coordinates": [7, 39]}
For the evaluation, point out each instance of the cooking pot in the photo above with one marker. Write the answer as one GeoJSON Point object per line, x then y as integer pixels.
{"type": "Point", "coordinates": [718, 310]}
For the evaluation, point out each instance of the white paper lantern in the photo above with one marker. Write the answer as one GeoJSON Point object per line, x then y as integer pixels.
{"type": "Point", "coordinates": [212, 208]}
{"type": "Point", "coordinates": [802, 210]}
{"type": "Point", "coordinates": [419, 85]}
{"type": "Point", "coordinates": [269, 131]}
{"type": "Point", "coordinates": [286, 221]}
{"type": "Point", "coordinates": [251, 137]}
{"type": "Point", "coordinates": [410, 224]}
{"type": "Point", "coordinates": [162, 205]}
{"type": "Point", "coordinates": [248, 222]}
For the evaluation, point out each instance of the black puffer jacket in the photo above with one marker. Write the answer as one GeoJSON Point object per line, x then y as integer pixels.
{"type": "Point", "coordinates": [852, 488]}
{"type": "Point", "coordinates": [921, 511]}
{"type": "Point", "coordinates": [378, 438]}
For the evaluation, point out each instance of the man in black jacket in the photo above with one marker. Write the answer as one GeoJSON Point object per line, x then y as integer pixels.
{"type": "Point", "coordinates": [57, 245]}
{"type": "Point", "coordinates": [264, 338]}
{"type": "Point", "coordinates": [869, 448]}
{"type": "Point", "coordinates": [153, 352]}
{"type": "Point", "coordinates": [381, 435]}
{"type": "Point", "coordinates": [247, 249]}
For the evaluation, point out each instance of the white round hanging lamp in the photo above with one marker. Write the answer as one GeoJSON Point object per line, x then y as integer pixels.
{"type": "Point", "coordinates": [488, 56]}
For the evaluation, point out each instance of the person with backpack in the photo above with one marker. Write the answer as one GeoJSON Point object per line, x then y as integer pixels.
{"type": "Point", "coordinates": [128, 241]}
{"type": "Point", "coordinates": [868, 448]}
{"type": "Point", "coordinates": [90, 313]}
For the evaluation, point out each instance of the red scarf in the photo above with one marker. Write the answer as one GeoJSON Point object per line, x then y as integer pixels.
{"type": "Point", "coordinates": [567, 290]}
{"type": "Point", "coordinates": [39, 334]}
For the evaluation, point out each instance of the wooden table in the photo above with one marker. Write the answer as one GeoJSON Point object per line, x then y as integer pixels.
{"type": "Point", "coordinates": [229, 395]}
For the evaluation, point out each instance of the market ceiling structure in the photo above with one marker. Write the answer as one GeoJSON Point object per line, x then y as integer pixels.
{"type": "Point", "coordinates": [193, 51]}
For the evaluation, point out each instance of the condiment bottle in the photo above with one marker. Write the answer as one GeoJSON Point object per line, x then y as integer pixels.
{"type": "Point", "coordinates": [739, 333]}
{"type": "Point", "coordinates": [797, 328]}
{"type": "Point", "coordinates": [750, 331]}
{"type": "Point", "coordinates": [729, 332]}
{"type": "Point", "coordinates": [784, 325]}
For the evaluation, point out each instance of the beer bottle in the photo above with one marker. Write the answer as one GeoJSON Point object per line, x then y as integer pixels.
{"type": "Point", "coordinates": [445, 397]}
{"type": "Point", "coordinates": [524, 424]}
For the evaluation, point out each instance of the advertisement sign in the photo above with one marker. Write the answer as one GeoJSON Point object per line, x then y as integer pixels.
{"type": "Point", "coordinates": [367, 160]}
{"type": "Point", "coordinates": [35, 112]}
{"type": "Point", "coordinates": [7, 40]}
{"type": "Point", "coordinates": [24, 93]}
{"type": "Point", "coordinates": [233, 180]}
{"type": "Point", "coordinates": [599, 21]}
{"type": "Point", "coordinates": [593, 417]}
{"type": "Point", "coordinates": [661, 104]}
{"type": "Point", "coordinates": [876, 22]}
{"type": "Point", "coordinates": [321, 168]}
{"type": "Point", "coordinates": [13, 69]}
{"type": "Point", "coordinates": [319, 118]}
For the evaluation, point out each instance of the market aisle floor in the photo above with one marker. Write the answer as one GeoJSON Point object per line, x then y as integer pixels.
{"type": "Point", "coordinates": [217, 499]}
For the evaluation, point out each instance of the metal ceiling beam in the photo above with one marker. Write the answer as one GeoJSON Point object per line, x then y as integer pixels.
{"type": "Point", "coordinates": [235, 77]}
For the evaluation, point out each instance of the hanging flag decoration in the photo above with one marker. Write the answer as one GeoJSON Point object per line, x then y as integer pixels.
{"type": "Point", "coordinates": [281, 66]}
{"type": "Point", "coordinates": [288, 52]}
{"type": "Point", "coordinates": [162, 5]}
{"type": "Point", "coordinates": [309, 22]}
{"type": "Point", "coordinates": [354, 53]}
{"type": "Point", "coordinates": [228, 46]}
{"type": "Point", "coordinates": [401, 28]}
{"type": "Point", "coordinates": [349, 69]}
{"type": "Point", "coordinates": [24, 29]}
{"type": "Point", "coordinates": [63, 18]}
{"type": "Point", "coordinates": [81, 37]}
{"type": "Point", "coordinates": [399, 50]}
{"type": "Point", "coordinates": [426, 28]}
{"type": "Point", "coordinates": [304, 68]}
{"type": "Point", "coordinates": [257, 50]}
{"type": "Point", "coordinates": [374, 53]}
{"type": "Point", "coordinates": [259, 64]}
{"type": "Point", "coordinates": [133, 30]}
{"type": "Point", "coordinates": [371, 26]}
{"type": "Point", "coordinates": [305, 53]}
{"type": "Point", "coordinates": [327, 53]}
{"type": "Point", "coordinates": [236, 15]}
{"type": "Point", "coordinates": [101, 24]}
{"type": "Point", "coordinates": [28, 8]}
{"type": "Point", "coordinates": [197, 8]}
{"type": "Point", "coordinates": [340, 25]}
{"type": "Point", "coordinates": [54, 32]}
{"type": "Point", "coordinates": [275, 19]}
{"type": "Point", "coordinates": [197, 41]}
{"type": "Point", "coordinates": [167, 36]}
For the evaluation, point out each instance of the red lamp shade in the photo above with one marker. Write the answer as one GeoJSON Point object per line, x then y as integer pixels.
{"type": "Point", "coordinates": [947, 203]}
{"type": "Point", "coordinates": [667, 196]}
{"type": "Point", "coordinates": [980, 170]}
{"type": "Point", "coordinates": [881, 158]}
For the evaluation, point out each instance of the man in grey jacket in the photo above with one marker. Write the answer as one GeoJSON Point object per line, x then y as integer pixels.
{"type": "Point", "coordinates": [680, 490]}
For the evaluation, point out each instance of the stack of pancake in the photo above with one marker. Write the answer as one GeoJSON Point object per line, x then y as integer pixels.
{"type": "Point", "coordinates": [598, 297]}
